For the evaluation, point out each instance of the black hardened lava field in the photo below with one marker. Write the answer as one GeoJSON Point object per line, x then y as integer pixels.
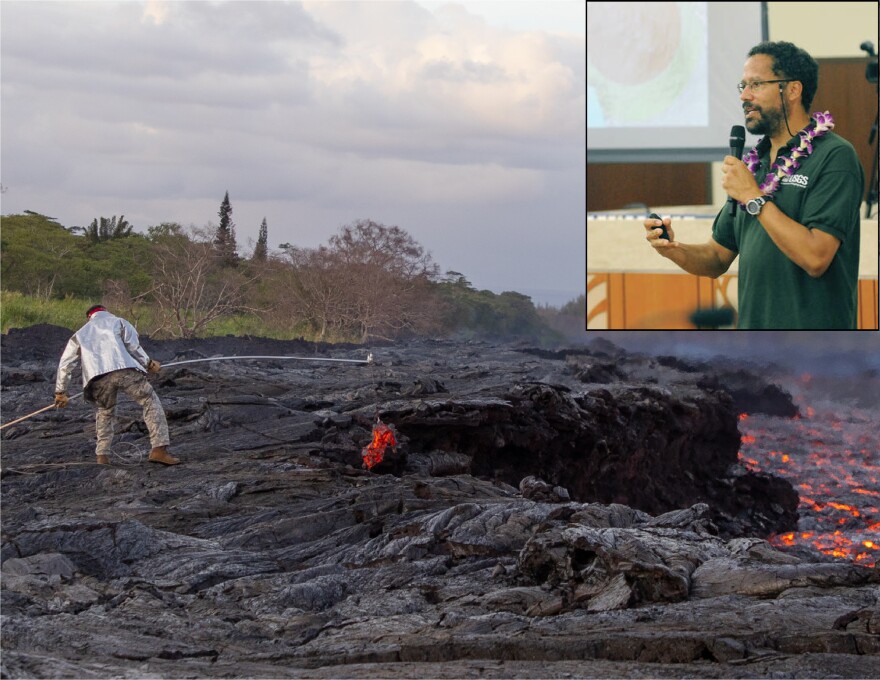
{"type": "Point", "coordinates": [597, 511]}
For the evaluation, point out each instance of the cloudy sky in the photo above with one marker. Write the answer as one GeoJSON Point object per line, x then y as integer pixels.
{"type": "Point", "coordinates": [461, 122]}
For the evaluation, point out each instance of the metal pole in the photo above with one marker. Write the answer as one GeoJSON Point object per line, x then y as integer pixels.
{"type": "Point", "coordinates": [368, 360]}
{"type": "Point", "coordinates": [29, 415]}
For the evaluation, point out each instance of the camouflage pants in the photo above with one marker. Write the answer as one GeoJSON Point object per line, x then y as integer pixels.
{"type": "Point", "coordinates": [103, 390]}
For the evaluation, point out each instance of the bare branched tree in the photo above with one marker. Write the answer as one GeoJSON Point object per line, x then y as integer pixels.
{"type": "Point", "coordinates": [386, 276]}
{"type": "Point", "coordinates": [117, 296]}
{"type": "Point", "coordinates": [314, 290]}
{"type": "Point", "coordinates": [370, 281]}
{"type": "Point", "coordinates": [192, 288]}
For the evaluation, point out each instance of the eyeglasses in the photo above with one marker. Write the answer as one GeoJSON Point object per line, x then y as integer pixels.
{"type": "Point", "coordinates": [756, 85]}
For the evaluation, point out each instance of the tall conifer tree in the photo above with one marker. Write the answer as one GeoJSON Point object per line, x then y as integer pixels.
{"type": "Point", "coordinates": [261, 248]}
{"type": "Point", "coordinates": [224, 241]}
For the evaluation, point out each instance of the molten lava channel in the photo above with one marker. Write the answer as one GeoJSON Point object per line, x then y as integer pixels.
{"type": "Point", "coordinates": [832, 462]}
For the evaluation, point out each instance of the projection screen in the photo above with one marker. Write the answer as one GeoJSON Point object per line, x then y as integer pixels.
{"type": "Point", "coordinates": [661, 78]}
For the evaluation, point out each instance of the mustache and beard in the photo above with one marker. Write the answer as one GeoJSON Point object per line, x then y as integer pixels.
{"type": "Point", "coordinates": [765, 121]}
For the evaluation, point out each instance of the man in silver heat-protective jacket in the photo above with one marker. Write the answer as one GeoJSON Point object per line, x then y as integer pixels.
{"type": "Point", "coordinates": [112, 360]}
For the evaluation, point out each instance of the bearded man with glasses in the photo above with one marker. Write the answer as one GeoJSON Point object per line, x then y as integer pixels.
{"type": "Point", "coordinates": [799, 191]}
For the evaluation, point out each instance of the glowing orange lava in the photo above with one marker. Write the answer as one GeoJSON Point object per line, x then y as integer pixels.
{"type": "Point", "coordinates": [833, 466]}
{"type": "Point", "coordinates": [374, 452]}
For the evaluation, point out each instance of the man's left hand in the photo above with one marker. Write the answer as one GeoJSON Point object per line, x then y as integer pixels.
{"type": "Point", "coordinates": [154, 366]}
{"type": "Point", "coordinates": [737, 181]}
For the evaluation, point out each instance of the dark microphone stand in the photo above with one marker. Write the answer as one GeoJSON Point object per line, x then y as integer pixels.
{"type": "Point", "coordinates": [871, 76]}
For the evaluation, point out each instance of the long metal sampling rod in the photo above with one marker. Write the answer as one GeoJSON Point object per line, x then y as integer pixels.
{"type": "Point", "coordinates": [368, 360]}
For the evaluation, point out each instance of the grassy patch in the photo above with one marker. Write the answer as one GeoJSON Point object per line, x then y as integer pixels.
{"type": "Point", "coordinates": [20, 311]}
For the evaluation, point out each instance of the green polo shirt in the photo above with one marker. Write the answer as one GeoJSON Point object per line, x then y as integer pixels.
{"type": "Point", "coordinates": [824, 193]}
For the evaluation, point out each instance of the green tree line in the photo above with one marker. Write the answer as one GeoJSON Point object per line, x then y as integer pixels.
{"type": "Point", "coordinates": [369, 281]}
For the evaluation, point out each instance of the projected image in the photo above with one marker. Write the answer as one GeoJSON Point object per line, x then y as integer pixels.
{"type": "Point", "coordinates": [647, 64]}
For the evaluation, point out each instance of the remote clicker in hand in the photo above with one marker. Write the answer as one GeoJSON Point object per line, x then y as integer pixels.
{"type": "Point", "coordinates": [662, 226]}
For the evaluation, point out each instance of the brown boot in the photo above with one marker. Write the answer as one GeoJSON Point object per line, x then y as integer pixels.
{"type": "Point", "coordinates": [160, 455]}
{"type": "Point", "coordinates": [102, 459]}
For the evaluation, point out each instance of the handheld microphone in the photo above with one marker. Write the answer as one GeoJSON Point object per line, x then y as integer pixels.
{"type": "Point", "coordinates": [737, 144]}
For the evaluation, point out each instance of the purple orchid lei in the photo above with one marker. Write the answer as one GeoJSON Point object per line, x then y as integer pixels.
{"type": "Point", "coordinates": [786, 165]}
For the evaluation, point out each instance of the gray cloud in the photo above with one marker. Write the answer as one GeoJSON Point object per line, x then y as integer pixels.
{"type": "Point", "coordinates": [467, 70]}
{"type": "Point", "coordinates": [311, 114]}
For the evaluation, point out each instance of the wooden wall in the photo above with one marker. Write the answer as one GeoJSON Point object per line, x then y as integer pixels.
{"type": "Point", "coordinates": [852, 100]}
{"type": "Point", "coordinates": [664, 301]}
{"type": "Point", "coordinates": [868, 311]}
{"type": "Point", "coordinates": [611, 186]}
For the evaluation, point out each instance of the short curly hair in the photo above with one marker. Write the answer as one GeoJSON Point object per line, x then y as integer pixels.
{"type": "Point", "coordinates": [790, 61]}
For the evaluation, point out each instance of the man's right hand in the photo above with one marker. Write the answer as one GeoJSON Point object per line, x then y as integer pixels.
{"type": "Point", "coordinates": [652, 227]}
{"type": "Point", "coordinates": [61, 400]}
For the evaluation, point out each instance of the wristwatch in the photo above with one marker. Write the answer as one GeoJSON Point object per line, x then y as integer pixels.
{"type": "Point", "coordinates": [754, 206]}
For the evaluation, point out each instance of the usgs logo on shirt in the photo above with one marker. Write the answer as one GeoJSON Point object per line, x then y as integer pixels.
{"type": "Point", "coordinates": [798, 180]}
